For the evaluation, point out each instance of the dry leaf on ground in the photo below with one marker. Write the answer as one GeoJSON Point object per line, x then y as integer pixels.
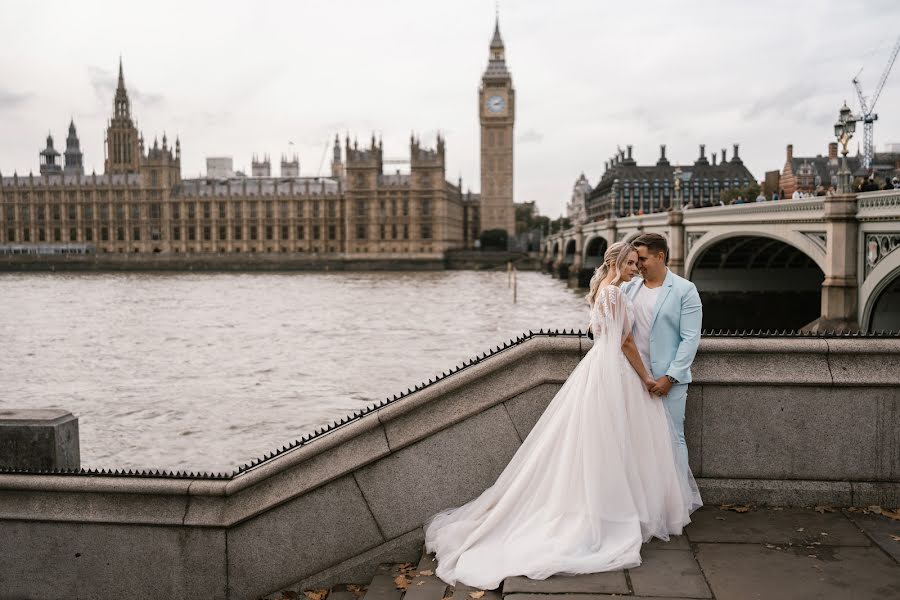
{"type": "Point", "coordinates": [824, 509]}
{"type": "Point", "coordinates": [477, 594]}
{"type": "Point", "coordinates": [891, 514]}
{"type": "Point", "coordinates": [896, 538]}
{"type": "Point", "coordinates": [356, 590]}
{"type": "Point", "coordinates": [427, 573]}
{"type": "Point", "coordinates": [316, 594]}
{"type": "Point", "coordinates": [401, 582]}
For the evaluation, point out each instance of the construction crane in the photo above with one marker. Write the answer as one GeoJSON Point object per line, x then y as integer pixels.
{"type": "Point", "coordinates": [868, 116]}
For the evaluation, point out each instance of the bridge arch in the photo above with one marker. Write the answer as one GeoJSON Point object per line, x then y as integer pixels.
{"type": "Point", "coordinates": [569, 255]}
{"type": "Point", "coordinates": [594, 249]}
{"type": "Point", "coordinates": [756, 280]}
{"type": "Point", "coordinates": [795, 239]}
{"type": "Point", "coordinates": [879, 293]}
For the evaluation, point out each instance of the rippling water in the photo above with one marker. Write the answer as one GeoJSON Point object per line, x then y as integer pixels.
{"type": "Point", "coordinates": [207, 371]}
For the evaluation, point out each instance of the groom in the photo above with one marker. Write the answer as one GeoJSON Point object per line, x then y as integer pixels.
{"type": "Point", "coordinates": [667, 319]}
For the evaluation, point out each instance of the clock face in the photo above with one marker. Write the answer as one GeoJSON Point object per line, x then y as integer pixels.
{"type": "Point", "coordinates": [496, 104]}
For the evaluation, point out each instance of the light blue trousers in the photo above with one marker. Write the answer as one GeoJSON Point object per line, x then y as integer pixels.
{"type": "Point", "coordinates": [675, 402]}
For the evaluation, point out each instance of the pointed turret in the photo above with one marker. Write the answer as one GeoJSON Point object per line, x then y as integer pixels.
{"type": "Point", "coordinates": [497, 41]}
{"type": "Point", "coordinates": [121, 104]}
{"type": "Point", "coordinates": [123, 152]}
{"type": "Point", "coordinates": [496, 68]}
{"type": "Point", "coordinates": [48, 158]}
{"type": "Point", "coordinates": [73, 156]}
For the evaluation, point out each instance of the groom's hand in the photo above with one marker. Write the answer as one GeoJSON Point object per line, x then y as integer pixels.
{"type": "Point", "coordinates": [662, 387]}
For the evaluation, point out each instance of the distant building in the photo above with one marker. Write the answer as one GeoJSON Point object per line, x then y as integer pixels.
{"type": "Point", "coordinates": [576, 211]}
{"type": "Point", "coordinates": [892, 148]}
{"type": "Point", "coordinates": [627, 188]}
{"type": "Point", "coordinates": [74, 164]}
{"type": "Point", "coordinates": [260, 168]}
{"type": "Point", "coordinates": [141, 204]}
{"type": "Point", "coordinates": [219, 167]}
{"type": "Point", "coordinates": [290, 168]}
{"type": "Point", "coordinates": [50, 158]}
{"type": "Point", "coordinates": [817, 175]}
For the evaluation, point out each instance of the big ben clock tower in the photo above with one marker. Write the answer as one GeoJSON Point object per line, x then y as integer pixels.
{"type": "Point", "coordinates": [497, 109]}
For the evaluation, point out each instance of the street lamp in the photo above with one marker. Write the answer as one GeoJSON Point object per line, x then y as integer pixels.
{"type": "Point", "coordinates": [843, 131]}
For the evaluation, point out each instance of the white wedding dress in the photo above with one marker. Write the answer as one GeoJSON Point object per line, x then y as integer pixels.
{"type": "Point", "coordinates": [595, 478]}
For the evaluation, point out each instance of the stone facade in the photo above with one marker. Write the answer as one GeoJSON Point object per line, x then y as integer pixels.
{"type": "Point", "coordinates": [818, 175]}
{"type": "Point", "coordinates": [627, 188]}
{"type": "Point", "coordinates": [142, 205]}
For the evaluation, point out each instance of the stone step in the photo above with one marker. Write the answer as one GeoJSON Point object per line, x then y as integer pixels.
{"type": "Point", "coordinates": [382, 586]}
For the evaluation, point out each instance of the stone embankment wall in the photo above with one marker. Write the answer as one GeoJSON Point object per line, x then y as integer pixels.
{"type": "Point", "coordinates": [788, 421]}
{"type": "Point", "coordinates": [214, 262]}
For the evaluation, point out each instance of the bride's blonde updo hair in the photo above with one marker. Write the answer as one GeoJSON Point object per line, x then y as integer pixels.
{"type": "Point", "coordinates": [615, 256]}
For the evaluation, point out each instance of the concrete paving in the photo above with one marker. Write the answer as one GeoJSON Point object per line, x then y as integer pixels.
{"type": "Point", "coordinates": [754, 554]}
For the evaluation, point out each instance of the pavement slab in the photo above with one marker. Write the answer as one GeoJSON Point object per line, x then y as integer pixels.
{"type": "Point", "coordinates": [757, 572]}
{"type": "Point", "coordinates": [884, 531]}
{"type": "Point", "coordinates": [669, 573]}
{"type": "Point", "coordinates": [609, 582]}
{"type": "Point", "coordinates": [795, 526]}
{"type": "Point", "coordinates": [676, 542]}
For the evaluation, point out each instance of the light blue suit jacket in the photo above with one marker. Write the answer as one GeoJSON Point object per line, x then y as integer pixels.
{"type": "Point", "coordinates": [675, 328]}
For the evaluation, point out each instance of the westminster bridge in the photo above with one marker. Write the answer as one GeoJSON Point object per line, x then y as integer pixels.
{"type": "Point", "coordinates": [830, 262]}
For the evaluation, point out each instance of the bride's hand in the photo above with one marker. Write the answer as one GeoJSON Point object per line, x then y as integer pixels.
{"type": "Point", "coordinates": [649, 383]}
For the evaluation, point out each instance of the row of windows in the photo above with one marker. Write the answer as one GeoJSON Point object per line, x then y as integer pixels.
{"type": "Point", "coordinates": [193, 209]}
{"type": "Point", "coordinates": [178, 233]}
{"type": "Point", "coordinates": [72, 196]}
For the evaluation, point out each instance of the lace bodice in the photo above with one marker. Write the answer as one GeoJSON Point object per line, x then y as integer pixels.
{"type": "Point", "coordinates": [612, 313]}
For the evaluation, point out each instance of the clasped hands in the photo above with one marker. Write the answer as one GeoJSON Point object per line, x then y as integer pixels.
{"type": "Point", "coordinates": [658, 387]}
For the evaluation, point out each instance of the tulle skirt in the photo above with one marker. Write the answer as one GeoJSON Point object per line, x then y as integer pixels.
{"type": "Point", "coordinates": [596, 477]}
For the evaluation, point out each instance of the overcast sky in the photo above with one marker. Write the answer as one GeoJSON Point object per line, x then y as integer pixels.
{"type": "Point", "coordinates": [236, 78]}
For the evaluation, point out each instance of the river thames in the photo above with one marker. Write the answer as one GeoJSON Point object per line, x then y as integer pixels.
{"type": "Point", "coordinates": [203, 372]}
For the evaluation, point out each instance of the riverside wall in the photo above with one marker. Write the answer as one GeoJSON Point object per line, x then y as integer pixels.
{"type": "Point", "coordinates": [782, 421]}
{"type": "Point", "coordinates": [249, 261]}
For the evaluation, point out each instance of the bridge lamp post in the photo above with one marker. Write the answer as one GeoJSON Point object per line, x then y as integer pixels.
{"type": "Point", "coordinates": [843, 131]}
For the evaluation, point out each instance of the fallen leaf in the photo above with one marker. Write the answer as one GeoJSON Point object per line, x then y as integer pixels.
{"type": "Point", "coordinates": [427, 573]}
{"type": "Point", "coordinates": [422, 582]}
{"type": "Point", "coordinates": [822, 533]}
{"type": "Point", "coordinates": [477, 594]}
{"type": "Point", "coordinates": [875, 509]}
{"type": "Point", "coordinates": [401, 582]}
{"type": "Point", "coordinates": [316, 594]}
{"type": "Point", "coordinates": [800, 529]}
{"type": "Point", "coordinates": [811, 555]}
{"type": "Point", "coordinates": [824, 509]}
{"type": "Point", "coordinates": [356, 590]}
{"type": "Point", "coordinates": [891, 514]}
{"type": "Point", "coordinates": [720, 518]}
{"type": "Point", "coordinates": [769, 546]}
{"type": "Point", "coordinates": [735, 508]}
{"type": "Point", "coordinates": [896, 538]}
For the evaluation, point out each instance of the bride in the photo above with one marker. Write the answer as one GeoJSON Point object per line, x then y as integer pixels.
{"type": "Point", "coordinates": [595, 478]}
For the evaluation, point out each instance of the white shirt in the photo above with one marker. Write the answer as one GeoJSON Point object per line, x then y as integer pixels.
{"type": "Point", "coordinates": [644, 304]}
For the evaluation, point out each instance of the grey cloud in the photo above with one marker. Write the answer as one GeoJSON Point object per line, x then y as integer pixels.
{"type": "Point", "coordinates": [530, 136]}
{"type": "Point", "coordinates": [104, 83]}
{"type": "Point", "coordinates": [790, 102]}
{"type": "Point", "coordinates": [12, 99]}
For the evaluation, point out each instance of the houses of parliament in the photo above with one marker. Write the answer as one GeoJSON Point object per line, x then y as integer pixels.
{"type": "Point", "coordinates": [141, 203]}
